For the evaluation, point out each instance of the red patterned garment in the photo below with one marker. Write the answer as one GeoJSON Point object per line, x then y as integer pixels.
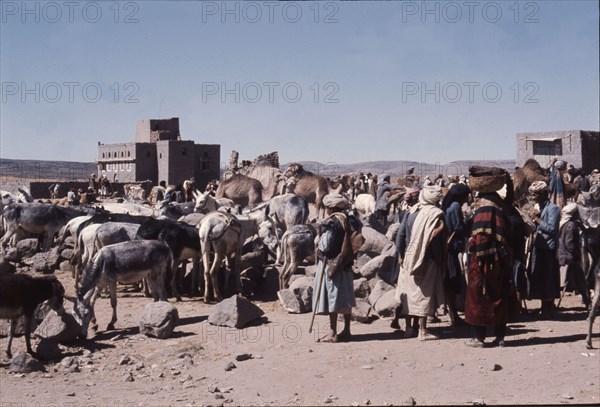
{"type": "Point", "coordinates": [490, 268]}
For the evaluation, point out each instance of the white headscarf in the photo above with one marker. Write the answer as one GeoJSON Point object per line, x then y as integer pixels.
{"type": "Point", "coordinates": [430, 195]}
{"type": "Point", "coordinates": [567, 214]}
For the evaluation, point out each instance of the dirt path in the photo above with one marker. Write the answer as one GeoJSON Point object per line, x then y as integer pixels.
{"type": "Point", "coordinates": [545, 362]}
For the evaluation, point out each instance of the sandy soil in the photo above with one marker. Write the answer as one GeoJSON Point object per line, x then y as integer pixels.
{"type": "Point", "coordinates": [545, 362]}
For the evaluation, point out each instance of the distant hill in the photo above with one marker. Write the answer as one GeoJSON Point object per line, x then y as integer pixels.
{"type": "Point", "coordinates": [69, 170]}
{"type": "Point", "coordinates": [399, 168]}
{"type": "Point", "coordinates": [40, 170]}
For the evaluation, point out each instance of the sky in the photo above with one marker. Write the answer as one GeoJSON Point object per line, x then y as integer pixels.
{"type": "Point", "coordinates": [343, 82]}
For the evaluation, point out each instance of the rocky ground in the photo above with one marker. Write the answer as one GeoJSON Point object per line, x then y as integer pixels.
{"type": "Point", "coordinates": [280, 363]}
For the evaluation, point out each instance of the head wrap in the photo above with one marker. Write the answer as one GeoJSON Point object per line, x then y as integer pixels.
{"type": "Point", "coordinates": [383, 178]}
{"type": "Point", "coordinates": [430, 195]}
{"type": "Point", "coordinates": [567, 213]}
{"type": "Point", "coordinates": [538, 187]}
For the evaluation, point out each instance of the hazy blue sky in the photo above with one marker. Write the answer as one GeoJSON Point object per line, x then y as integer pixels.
{"type": "Point", "coordinates": [381, 65]}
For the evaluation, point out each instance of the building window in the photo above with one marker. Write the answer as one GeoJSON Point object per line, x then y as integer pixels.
{"type": "Point", "coordinates": [160, 155]}
{"type": "Point", "coordinates": [129, 154]}
{"type": "Point", "coordinates": [103, 155]}
{"type": "Point", "coordinates": [122, 154]}
{"type": "Point", "coordinates": [553, 148]}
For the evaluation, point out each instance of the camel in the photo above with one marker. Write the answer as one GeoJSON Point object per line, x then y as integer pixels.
{"type": "Point", "coordinates": [310, 186]}
{"type": "Point", "coordinates": [241, 189]}
{"type": "Point", "coordinates": [297, 244]}
{"type": "Point", "coordinates": [220, 233]}
{"type": "Point", "coordinates": [532, 171]}
{"type": "Point", "coordinates": [365, 203]}
{"type": "Point", "coordinates": [269, 177]}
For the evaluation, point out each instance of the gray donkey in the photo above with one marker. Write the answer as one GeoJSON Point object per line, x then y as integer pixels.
{"type": "Point", "coordinates": [125, 263]}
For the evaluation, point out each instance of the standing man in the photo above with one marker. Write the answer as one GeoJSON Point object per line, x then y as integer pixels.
{"type": "Point", "coordinates": [569, 253]}
{"type": "Point", "coordinates": [490, 263]}
{"type": "Point", "coordinates": [544, 271]}
{"type": "Point", "coordinates": [383, 189]}
{"type": "Point", "coordinates": [421, 249]}
{"type": "Point", "coordinates": [338, 244]}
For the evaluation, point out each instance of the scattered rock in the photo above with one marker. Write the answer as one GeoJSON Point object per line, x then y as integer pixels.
{"type": "Point", "coordinates": [566, 396]}
{"type": "Point", "coordinates": [367, 367]}
{"type": "Point", "coordinates": [380, 288]}
{"type": "Point", "coordinates": [302, 282]}
{"type": "Point", "coordinates": [296, 301]}
{"type": "Point", "coordinates": [243, 356]}
{"type": "Point", "coordinates": [234, 312]}
{"type": "Point", "coordinates": [68, 361]}
{"type": "Point", "coordinates": [66, 266]}
{"type": "Point", "coordinates": [386, 304]}
{"type": "Point", "coordinates": [378, 265]}
{"type": "Point", "coordinates": [72, 394]}
{"type": "Point", "coordinates": [479, 402]}
{"type": "Point", "coordinates": [376, 243]}
{"type": "Point", "coordinates": [27, 248]}
{"type": "Point", "coordinates": [219, 396]}
{"type": "Point", "coordinates": [362, 311]}
{"type": "Point", "coordinates": [494, 367]}
{"type": "Point", "coordinates": [361, 288]}
{"type": "Point", "coordinates": [25, 363]}
{"type": "Point", "coordinates": [73, 368]}
{"type": "Point", "coordinates": [410, 402]}
{"type": "Point", "coordinates": [125, 360]}
{"type": "Point", "coordinates": [213, 389]}
{"type": "Point", "coordinates": [61, 328]}
{"type": "Point", "coordinates": [127, 377]}
{"type": "Point", "coordinates": [229, 366]}
{"type": "Point", "coordinates": [139, 366]}
{"type": "Point", "coordinates": [159, 319]}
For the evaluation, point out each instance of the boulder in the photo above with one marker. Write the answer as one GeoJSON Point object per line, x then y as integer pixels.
{"type": "Point", "coordinates": [311, 270]}
{"type": "Point", "coordinates": [361, 260]}
{"type": "Point", "coordinates": [66, 254]}
{"type": "Point", "coordinates": [379, 265]}
{"type": "Point", "coordinates": [27, 248]}
{"type": "Point", "coordinates": [45, 262]}
{"type": "Point", "coordinates": [378, 290]}
{"type": "Point", "coordinates": [66, 266]}
{"type": "Point", "coordinates": [362, 311]}
{"type": "Point", "coordinates": [159, 319]}
{"type": "Point", "coordinates": [25, 363]}
{"type": "Point", "coordinates": [361, 288]}
{"type": "Point", "coordinates": [234, 312]}
{"type": "Point", "coordinates": [392, 231]}
{"type": "Point", "coordinates": [297, 300]}
{"type": "Point", "coordinates": [376, 243]}
{"type": "Point", "coordinates": [48, 349]}
{"type": "Point", "coordinates": [386, 304]}
{"type": "Point", "coordinates": [61, 328]}
{"type": "Point", "coordinates": [372, 222]}
{"type": "Point", "coordinates": [303, 282]}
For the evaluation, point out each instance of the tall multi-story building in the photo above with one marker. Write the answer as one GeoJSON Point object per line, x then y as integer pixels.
{"type": "Point", "coordinates": [158, 153]}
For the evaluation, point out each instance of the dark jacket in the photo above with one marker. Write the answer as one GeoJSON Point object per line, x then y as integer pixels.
{"type": "Point", "coordinates": [569, 245]}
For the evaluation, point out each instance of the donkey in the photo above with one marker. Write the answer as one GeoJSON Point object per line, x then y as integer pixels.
{"type": "Point", "coordinates": [220, 233]}
{"type": "Point", "coordinates": [126, 263]}
{"type": "Point", "coordinates": [594, 308]}
{"type": "Point", "coordinates": [20, 294]}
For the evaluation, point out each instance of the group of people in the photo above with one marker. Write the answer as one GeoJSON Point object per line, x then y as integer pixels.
{"type": "Point", "coordinates": [512, 256]}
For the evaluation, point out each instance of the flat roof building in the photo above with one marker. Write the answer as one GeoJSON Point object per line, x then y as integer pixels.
{"type": "Point", "coordinates": [157, 154]}
{"type": "Point", "coordinates": [578, 147]}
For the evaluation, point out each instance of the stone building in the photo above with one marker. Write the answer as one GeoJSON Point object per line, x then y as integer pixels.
{"type": "Point", "coordinates": [578, 147]}
{"type": "Point", "coordinates": [158, 153]}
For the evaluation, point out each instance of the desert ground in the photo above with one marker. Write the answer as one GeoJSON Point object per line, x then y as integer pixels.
{"type": "Point", "coordinates": [544, 362]}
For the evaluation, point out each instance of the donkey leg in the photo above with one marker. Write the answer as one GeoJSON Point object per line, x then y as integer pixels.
{"type": "Point", "coordinates": [592, 316]}
{"type": "Point", "coordinates": [174, 279]}
{"type": "Point", "coordinates": [28, 336]}
{"type": "Point", "coordinates": [13, 327]}
{"type": "Point", "coordinates": [214, 276]}
{"type": "Point", "coordinates": [207, 267]}
{"type": "Point", "coordinates": [112, 289]}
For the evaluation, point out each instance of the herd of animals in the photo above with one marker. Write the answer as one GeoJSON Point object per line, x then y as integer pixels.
{"type": "Point", "coordinates": [248, 220]}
